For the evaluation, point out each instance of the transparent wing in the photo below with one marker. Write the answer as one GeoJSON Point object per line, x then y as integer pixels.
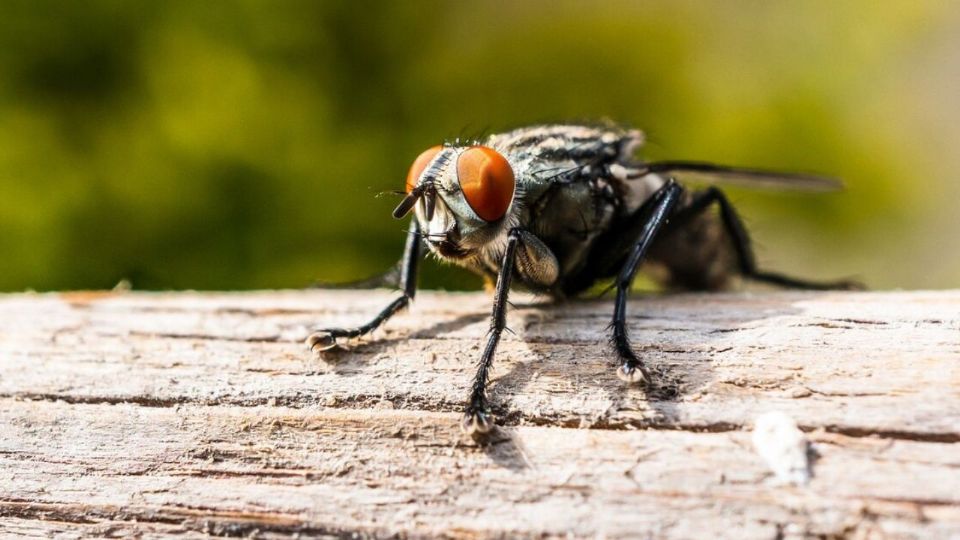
{"type": "Point", "coordinates": [708, 173]}
{"type": "Point", "coordinates": [389, 280]}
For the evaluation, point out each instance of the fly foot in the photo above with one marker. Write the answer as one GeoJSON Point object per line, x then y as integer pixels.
{"type": "Point", "coordinates": [320, 341]}
{"type": "Point", "coordinates": [633, 373]}
{"type": "Point", "coordinates": [477, 422]}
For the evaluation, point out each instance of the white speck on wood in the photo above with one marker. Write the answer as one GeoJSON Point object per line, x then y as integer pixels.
{"type": "Point", "coordinates": [783, 446]}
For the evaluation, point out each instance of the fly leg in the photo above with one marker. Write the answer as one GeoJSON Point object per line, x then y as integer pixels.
{"type": "Point", "coordinates": [477, 419]}
{"type": "Point", "coordinates": [662, 204]}
{"type": "Point", "coordinates": [326, 338]}
{"type": "Point", "coordinates": [741, 244]}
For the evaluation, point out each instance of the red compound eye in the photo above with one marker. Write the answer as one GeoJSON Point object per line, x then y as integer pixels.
{"type": "Point", "coordinates": [419, 165]}
{"type": "Point", "coordinates": [487, 181]}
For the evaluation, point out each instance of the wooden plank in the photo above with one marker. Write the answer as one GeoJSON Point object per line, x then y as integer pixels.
{"type": "Point", "coordinates": [327, 470]}
{"type": "Point", "coordinates": [203, 414]}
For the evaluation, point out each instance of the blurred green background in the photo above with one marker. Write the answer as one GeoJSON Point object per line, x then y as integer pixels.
{"type": "Point", "coordinates": [241, 144]}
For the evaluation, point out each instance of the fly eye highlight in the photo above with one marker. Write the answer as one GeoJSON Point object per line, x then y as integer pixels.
{"type": "Point", "coordinates": [487, 181]}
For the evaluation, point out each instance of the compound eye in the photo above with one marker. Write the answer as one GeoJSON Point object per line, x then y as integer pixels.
{"type": "Point", "coordinates": [487, 181]}
{"type": "Point", "coordinates": [419, 165]}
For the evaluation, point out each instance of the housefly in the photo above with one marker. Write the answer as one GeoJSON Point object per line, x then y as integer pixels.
{"type": "Point", "coordinates": [554, 209]}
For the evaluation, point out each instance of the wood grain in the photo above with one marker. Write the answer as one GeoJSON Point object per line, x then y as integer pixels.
{"type": "Point", "coordinates": [202, 414]}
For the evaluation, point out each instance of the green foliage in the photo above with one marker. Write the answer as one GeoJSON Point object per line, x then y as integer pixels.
{"type": "Point", "coordinates": [242, 144]}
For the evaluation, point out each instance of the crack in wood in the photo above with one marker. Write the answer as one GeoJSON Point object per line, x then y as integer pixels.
{"type": "Point", "coordinates": [186, 518]}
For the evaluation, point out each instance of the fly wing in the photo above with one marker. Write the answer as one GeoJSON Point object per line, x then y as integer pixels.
{"type": "Point", "coordinates": [701, 172]}
{"type": "Point", "coordinates": [389, 279]}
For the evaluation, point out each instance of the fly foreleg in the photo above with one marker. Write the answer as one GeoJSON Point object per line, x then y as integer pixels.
{"type": "Point", "coordinates": [477, 419]}
{"type": "Point", "coordinates": [324, 339]}
{"type": "Point", "coordinates": [663, 203]}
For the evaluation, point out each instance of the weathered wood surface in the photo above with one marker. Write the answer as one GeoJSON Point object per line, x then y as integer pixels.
{"type": "Point", "coordinates": [202, 414]}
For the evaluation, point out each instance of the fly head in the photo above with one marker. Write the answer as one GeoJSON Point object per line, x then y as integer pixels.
{"type": "Point", "coordinates": [461, 197]}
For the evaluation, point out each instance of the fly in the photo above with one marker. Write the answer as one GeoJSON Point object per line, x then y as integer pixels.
{"type": "Point", "coordinates": [554, 209]}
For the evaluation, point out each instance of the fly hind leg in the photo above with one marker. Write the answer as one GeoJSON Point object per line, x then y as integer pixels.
{"type": "Point", "coordinates": [699, 203]}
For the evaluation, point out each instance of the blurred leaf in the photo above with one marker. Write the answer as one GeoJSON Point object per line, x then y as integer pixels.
{"type": "Point", "coordinates": [243, 143]}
